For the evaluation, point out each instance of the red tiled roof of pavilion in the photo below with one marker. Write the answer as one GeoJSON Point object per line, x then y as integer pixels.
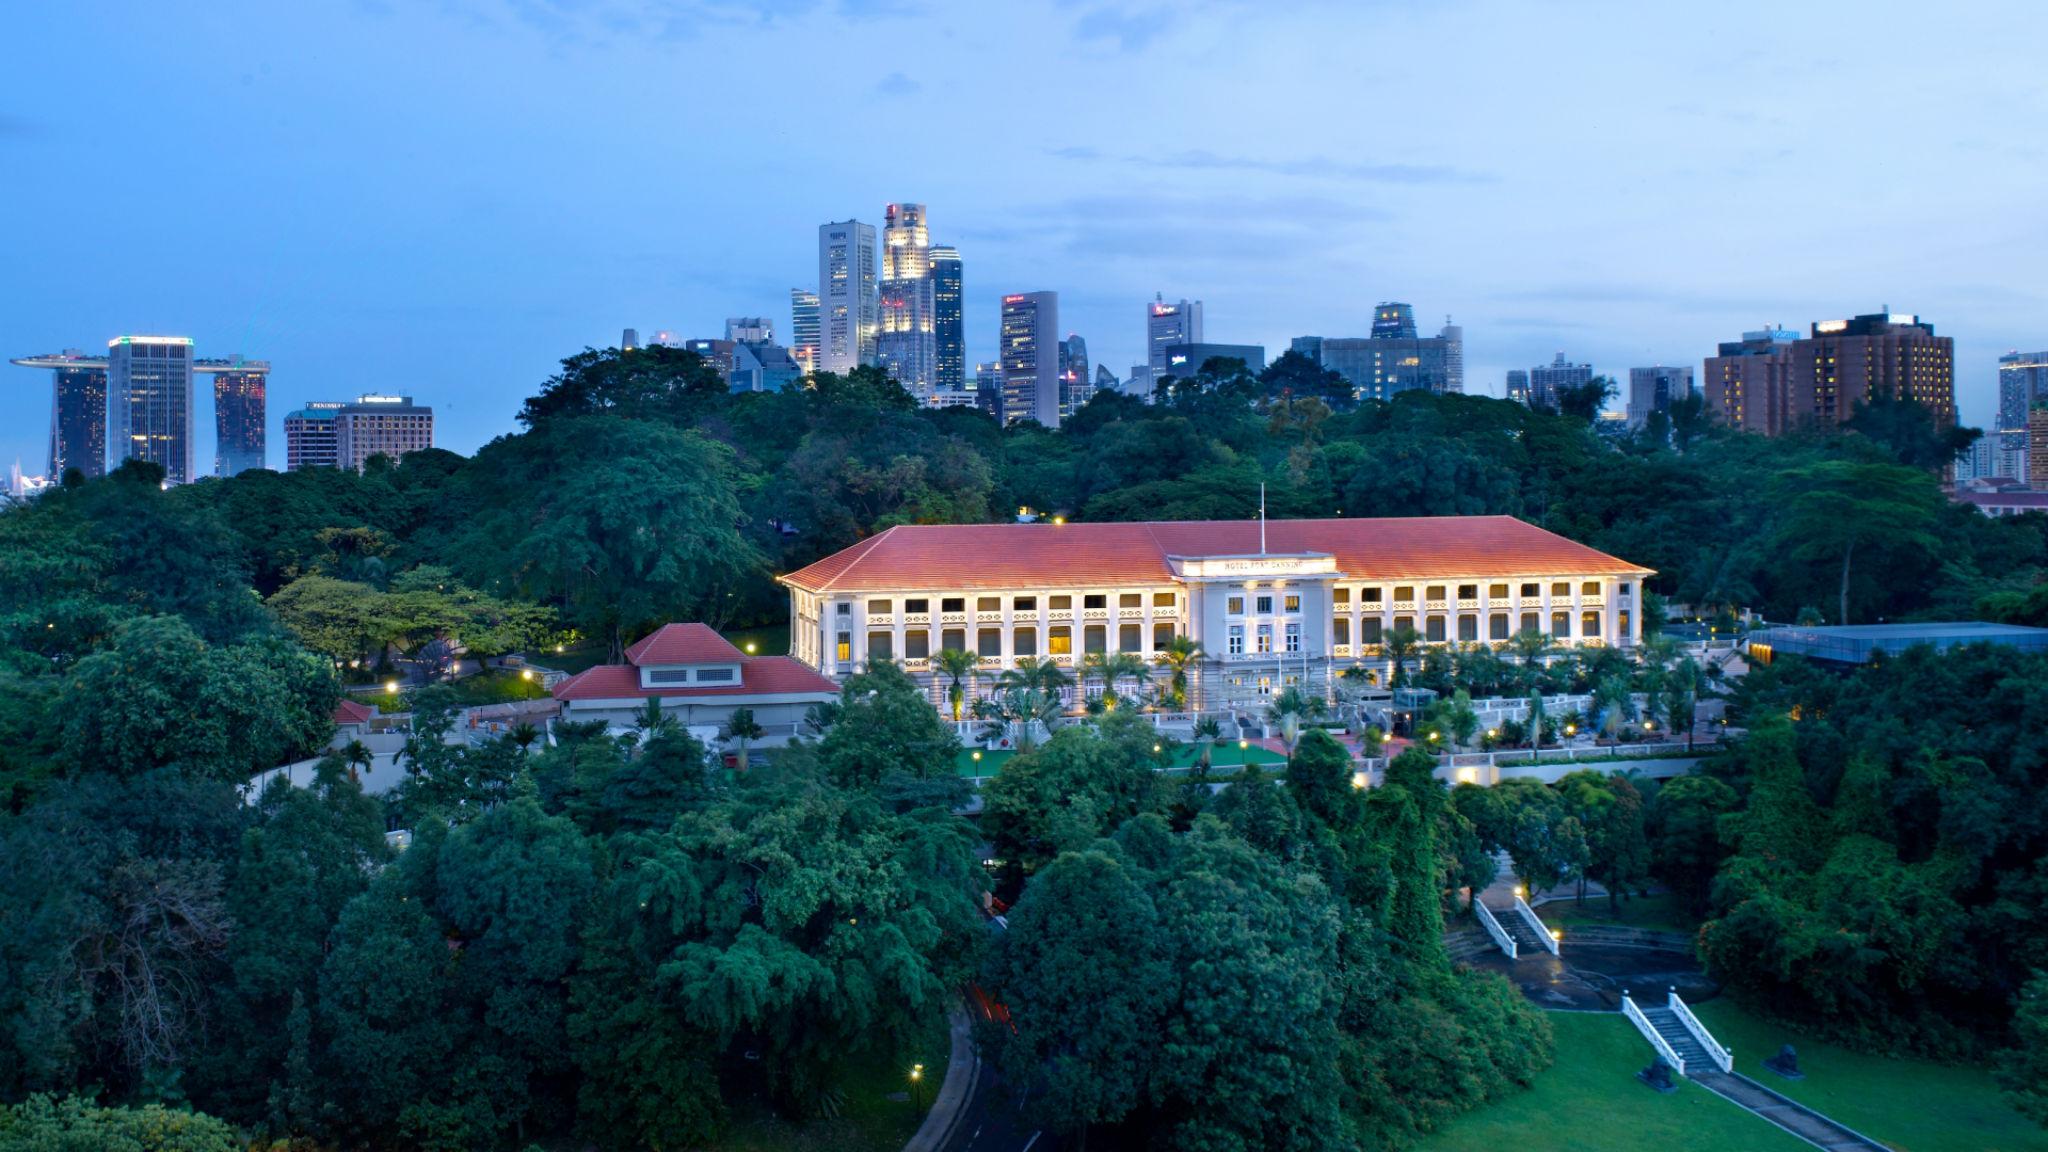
{"type": "Point", "coordinates": [352, 712]}
{"type": "Point", "coordinates": [916, 557]}
{"type": "Point", "coordinates": [759, 676]}
{"type": "Point", "coordinates": [682, 644]}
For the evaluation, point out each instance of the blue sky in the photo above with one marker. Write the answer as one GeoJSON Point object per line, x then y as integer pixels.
{"type": "Point", "coordinates": [444, 198]}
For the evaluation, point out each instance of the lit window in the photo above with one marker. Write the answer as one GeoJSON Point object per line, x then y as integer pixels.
{"type": "Point", "coordinates": [1236, 606]}
{"type": "Point", "coordinates": [1291, 603]}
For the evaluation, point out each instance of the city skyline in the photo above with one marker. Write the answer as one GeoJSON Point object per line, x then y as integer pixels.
{"type": "Point", "coordinates": [1508, 215]}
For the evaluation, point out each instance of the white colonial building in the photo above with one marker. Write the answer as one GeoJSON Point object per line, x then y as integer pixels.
{"type": "Point", "coordinates": [1274, 604]}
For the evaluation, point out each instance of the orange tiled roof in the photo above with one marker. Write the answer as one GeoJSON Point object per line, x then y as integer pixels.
{"type": "Point", "coordinates": [759, 676]}
{"type": "Point", "coordinates": [920, 557]}
{"type": "Point", "coordinates": [682, 644]}
{"type": "Point", "coordinates": [352, 712]}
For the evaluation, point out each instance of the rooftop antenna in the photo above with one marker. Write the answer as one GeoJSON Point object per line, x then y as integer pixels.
{"type": "Point", "coordinates": [1262, 518]}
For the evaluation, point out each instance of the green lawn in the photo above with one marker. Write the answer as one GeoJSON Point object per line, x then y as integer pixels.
{"type": "Point", "coordinates": [1912, 1105]}
{"type": "Point", "coordinates": [1660, 913]}
{"type": "Point", "coordinates": [871, 1121]}
{"type": "Point", "coordinates": [1590, 1101]}
{"type": "Point", "coordinates": [497, 686]}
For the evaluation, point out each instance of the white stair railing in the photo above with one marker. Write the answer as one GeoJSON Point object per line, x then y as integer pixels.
{"type": "Point", "coordinates": [1536, 925]}
{"type": "Point", "coordinates": [1493, 929]}
{"type": "Point", "coordinates": [1723, 1058]}
{"type": "Point", "coordinates": [1650, 1033]}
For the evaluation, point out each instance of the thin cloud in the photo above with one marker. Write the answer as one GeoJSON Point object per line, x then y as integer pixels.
{"type": "Point", "coordinates": [1310, 167]}
{"type": "Point", "coordinates": [897, 84]}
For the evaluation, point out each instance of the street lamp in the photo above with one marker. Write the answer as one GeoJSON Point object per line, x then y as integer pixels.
{"type": "Point", "coordinates": [750, 647]}
{"type": "Point", "coordinates": [391, 687]}
{"type": "Point", "coordinates": [917, 1086]}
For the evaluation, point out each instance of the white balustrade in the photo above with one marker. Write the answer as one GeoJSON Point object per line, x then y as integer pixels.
{"type": "Point", "coordinates": [1723, 1058]}
{"type": "Point", "coordinates": [1493, 929]}
{"type": "Point", "coordinates": [1650, 1033]}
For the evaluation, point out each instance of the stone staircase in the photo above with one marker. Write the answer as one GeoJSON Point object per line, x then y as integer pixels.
{"type": "Point", "coordinates": [1527, 942]}
{"type": "Point", "coordinates": [1681, 1039]}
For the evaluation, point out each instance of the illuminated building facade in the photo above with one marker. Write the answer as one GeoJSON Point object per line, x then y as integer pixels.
{"type": "Point", "coordinates": [1076, 386]}
{"type": "Point", "coordinates": [1773, 384]}
{"type": "Point", "coordinates": [380, 426]}
{"type": "Point", "coordinates": [78, 411]}
{"type": "Point", "coordinates": [803, 329]}
{"type": "Point", "coordinates": [849, 296]}
{"type": "Point", "coordinates": [2022, 384]}
{"type": "Point", "coordinates": [1027, 347]}
{"type": "Point", "coordinates": [1290, 603]}
{"type": "Point", "coordinates": [949, 330]}
{"type": "Point", "coordinates": [1169, 324]}
{"type": "Point", "coordinates": [907, 345]}
{"type": "Point", "coordinates": [240, 413]}
{"type": "Point", "coordinates": [309, 436]}
{"type": "Point", "coordinates": [149, 389]}
{"type": "Point", "coordinates": [1393, 359]}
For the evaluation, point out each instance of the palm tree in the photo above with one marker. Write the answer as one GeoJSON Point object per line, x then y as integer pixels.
{"type": "Point", "coordinates": [1031, 672]}
{"type": "Point", "coordinates": [652, 719]}
{"type": "Point", "coordinates": [1126, 666]}
{"type": "Point", "coordinates": [1614, 706]}
{"type": "Point", "coordinates": [1179, 655]}
{"type": "Point", "coordinates": [1288, 710]}
{"type": "Point", "coordinates": [1401, 645]}
{"type": "Point", "coordinates": [356, 754]}
{"type": "Point", "coordinates": [1538, 720]}
{"type": "Point", "coordinates": [1530, 646]}
{"type": "Point", "coordinates": [1207, 731]}
{"type": "Point", "coordinates": [1096, 664]}
{"type": "Point", "coordinates": [957, 665]}
{"type": "Point", "coordinates": [524, 735]}
{"type": "Point", "coordinates": [1681, 699]}
{"type": "Point", "coordinates": [740, 727]}
{"type": "Point", "coordinates": [1020, 708]}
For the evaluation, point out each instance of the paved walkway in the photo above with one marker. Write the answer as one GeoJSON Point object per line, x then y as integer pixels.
{"type": "Point", "coordinates": [1790, 1115]}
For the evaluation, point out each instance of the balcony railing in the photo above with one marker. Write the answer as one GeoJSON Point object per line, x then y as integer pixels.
{"type": "Point", "coordinates": [1404, 605]}
{"type": "Point", "coordinates": [917, 618]}
{"type": "Point", "coordinates": [1437, 605]}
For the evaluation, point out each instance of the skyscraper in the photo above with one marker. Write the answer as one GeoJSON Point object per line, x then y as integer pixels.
{"type": "Point", "coordinates": [2022, 383]}
{"type": "Point", "coordinates": [1076, 386]}
{"type": "Point", "coordinates": [629, 339]}
{"type": "Point", "coordinates": [309, 436]}
{"type": "Point", "coordinates": [78, 411]}
{"type": "Point", "coordinates": [1545, 381]}
{"type": "Point", "coordinates": [149, 389]}
{"type": "Point", "coordinates": [849, 296]}
{"type": "Point", "coordinates": [948, 330]}
{"type": "Point", "coordinates": [1653, 389]}
{"type": "Point", "coordinates": [240, 420]}
{"type": "Point", "coordinates": [1027, 349]}
{"type": "Point", "coordinates": [1167, 324]}
{"type": "Point", "coordinates": [1393, 359]}
{"type": "Point", "coordinates": [1518, 385]}
{"type": "Point", "coordinates": [907, 346]}
{"type": "Point", "coordinates": [380, 426]}
{"type": "Point", "coordinates": [803, 329]}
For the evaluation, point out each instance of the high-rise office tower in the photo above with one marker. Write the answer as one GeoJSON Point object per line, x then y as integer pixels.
{"type": "Point", "coordinates": [2022, 384]}
{"type": "Point", "coordinates": [1546, 381]}
{"type": "Point", "coordinates": [907, 346]}
{"type": "Point", "coordinates": [78, 411]}
{"type": "Point", "coordinates": [1168, 324]}
{"type": "Point", "coordinates": [149, 390]}
{"type": "Point", "coordinates": [1453, 337]}
{"type": "Point", "coordinates": [1518, 385]}
{"type": "Point", "coordinates": [1653, 389]}
{"type": "Point", "coordinates": [803, 329]}
{"type": "Point", "coordinates": [1105, 380]}
{"type": "Point", "coordinates": [1393, 320]}
{"type": "Point", "coordinates": [629, 339]}
{"type": "Point", "coordinates": [309, 436]}
{"type": "Point", "coordinates": [1770, 385]}
{"type": "Point", "coordinates": [849, 296]}
{"type": "Point", "coordinates": [380, 426]}
{"type": "Point", "coordinates": [948, 330]}
{"type": "Point", "coordinates": [240, 388]}
{"type": "Point", "coordinates": [1027, 347]}
{"type": "Point", "coordinates": [1076, 386]}
{"type": "Point", "coordinates": [750, 330]}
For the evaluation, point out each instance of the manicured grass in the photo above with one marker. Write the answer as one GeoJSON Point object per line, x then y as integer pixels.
{"type": "Point", "coordinates": [1912, 1105]}
{"type": "Point", "coordinates": [497, 686]}
{"type": "Point", "coordinates": [1659, 913]}
{"type": "Point", "coordinates": [1590, 1101]}
{"type": "Point", "coordinates": [870, 1121]}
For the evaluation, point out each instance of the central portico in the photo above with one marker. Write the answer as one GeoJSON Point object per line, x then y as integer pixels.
{"type": "Point", "coordinates": [1286, 603]}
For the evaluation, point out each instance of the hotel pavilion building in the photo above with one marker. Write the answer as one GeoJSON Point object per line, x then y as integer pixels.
{"type": "Point", "coordinates": [1276, 604]}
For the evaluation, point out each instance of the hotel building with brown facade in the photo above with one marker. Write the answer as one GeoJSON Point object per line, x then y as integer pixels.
{"type": "Point", "coordinates": [1274, 605]}
{"type": "Point", "coordinates": [1773, 383]}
